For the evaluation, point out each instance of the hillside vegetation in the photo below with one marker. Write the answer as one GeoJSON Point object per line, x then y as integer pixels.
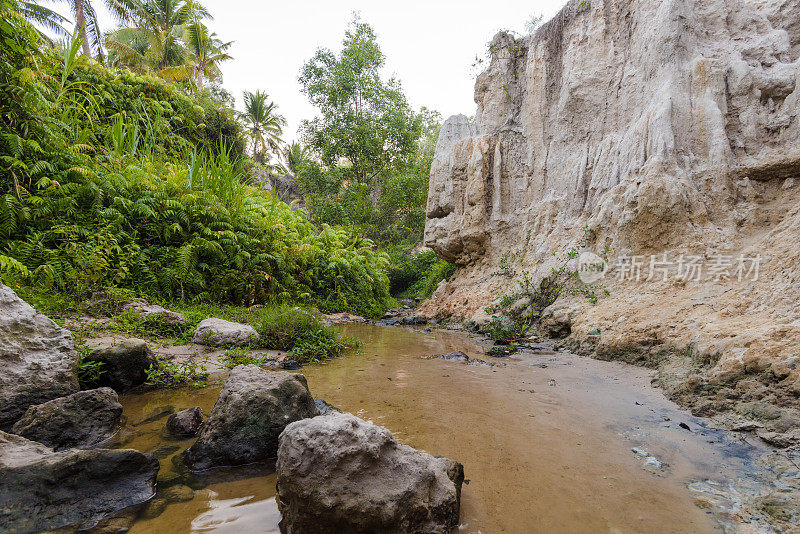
{"type": "Point", "coordinates": [112, 178]}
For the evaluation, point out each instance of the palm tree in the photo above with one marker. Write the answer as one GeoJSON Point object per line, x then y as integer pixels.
{"type": "Point", "coordinates": [264, 124]}
{"type": "Point", "coordinates": [208, 52]}
{"type": "Point", "coordinates": [43, 16]}
{"type": "Point", "coordinates": [295, 155]}
{"type": "Point", "coordinates": [156, 38]}
{"type": "Point", "coordinates": [86, 20]}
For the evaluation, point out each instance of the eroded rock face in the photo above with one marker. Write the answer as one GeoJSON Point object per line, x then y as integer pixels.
{"type": "Point", "coordinates": [125, 363]}
{"type": "Point", "coordinates": [219, 332]}
{"type": "Point", "coordinates": [251, 412]}
{"type": "Point", "coordinates": [649, 128]}
{"type": "Point", "coordinates": [37, 357]}
{"type": "Point", "coordinates": [185, 423]}
{"type": "Point", "coordinates": [82, 420]}
{"type": "Point", "coordinates": [45, 490]}
{"type": "Point", "coordinates": [339, 473]}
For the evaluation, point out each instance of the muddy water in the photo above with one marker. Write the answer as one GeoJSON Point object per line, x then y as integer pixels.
{"type": "Point", "coordinates": [545, 440]}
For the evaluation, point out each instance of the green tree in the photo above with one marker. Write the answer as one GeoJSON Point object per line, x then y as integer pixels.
{"type": "Point", "coordinates": [155, 41]}
{"type": "Point", "coordinates": [207, 53]}
{"type": "Point", "coordinates": [263, 123]}
{"type": "Point", "coordinates": [364, 119]}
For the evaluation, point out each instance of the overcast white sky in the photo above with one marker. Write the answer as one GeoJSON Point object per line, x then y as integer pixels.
{"type": "Point", "coordinates": [429, 45]}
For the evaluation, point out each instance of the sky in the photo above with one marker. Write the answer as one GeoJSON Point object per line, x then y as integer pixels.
{"type": "Point", "coordinates": [430, 46]}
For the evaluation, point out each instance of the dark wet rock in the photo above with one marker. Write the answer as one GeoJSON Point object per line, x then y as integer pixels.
{"type": "Point", "coordinates": [37, 357]}
{"type": "Point", "coordinates": [154, 508]}
{"type": "Point", "coordinates": [324, 408]}
{"type": "Point", "coordinates": [165, 450]}
{"type": "Point", "coordinates": [341, 474]}
{"type": "Point", "coordinates": [290, 365]}
{"type": "Point", "coordinates": [414, 320]}
{"type": "Point", "coordinates": [501, 351]}
{"type": "Point", "coordinates": [178, 493]}
{"type": "Point", "coordinates": [185, 423]}
{"type": "Point", "coordinates": [220, 333]}
{"type": "Point", "coordinates": [82, 420]}
{"type": "Point", "coordinates": [156, 414]}
{"type": "Point", "coordinates": [153, 313]}
{"type": "Point", "coordinates": [45, 490]}
{"type": "Point", "coordinates": [125, 363]}
{"type": "Point", "coordinates": [395, 321]}
{"type": "Point", "coordinates": [252, 410]}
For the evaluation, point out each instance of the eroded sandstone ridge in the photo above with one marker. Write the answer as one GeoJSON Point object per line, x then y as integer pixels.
{"type": "Point", "coordinates": [662, 127]}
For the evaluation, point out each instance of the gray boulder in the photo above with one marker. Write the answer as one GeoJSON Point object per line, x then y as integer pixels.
{"type": "Point", "coordinates": [124, 363]}
{"type": "Point", "coordinates": [82, 420]}
{"type": "Point", "coordinates": [251, 412]}
{"type": "Point", "coordinates": [156, 313]}
{"type": "Point", "coordinates": [186, 423]}
{"type": "Point", "coordinates": [45, 490]}
{"type": "Point", "coordinates": [339, 473]}
{"type": "Point", "coordinates": [219, 332]}
{"type": "Point", "coordinates": [37, 357]}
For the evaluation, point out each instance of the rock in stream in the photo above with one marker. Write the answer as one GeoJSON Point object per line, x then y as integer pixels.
{"type": "Point", "coordinates": [37, 357]}
{"type": "Point", "coordinates": [82, 420]}
{"type": "Point", "coordinates": [251, 412]}
{"type": "Point", "coordinates": [45, 490]}
{"type": "Point", "coordinates": [340, 474]}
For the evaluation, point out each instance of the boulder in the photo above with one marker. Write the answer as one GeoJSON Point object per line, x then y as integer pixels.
{"type": "Point", "coordinates": [82, 420]}
{"type": "Point", "coordinates": [185, 423]}
{"type": "Point", "coordinates": [339, 473]}
{"type": "Point", "coordinates": [156, 313]}
{"type": "Point", "coordinates": [251, 412]}
{"type": "Point", "coordinates": [218, 332]}
{"type": "Point", "coordinates": [37, 357]}
{"type": "Point", "coordinates": [125, 363]}
{"type": "Point", "coordinates": [45, 490]}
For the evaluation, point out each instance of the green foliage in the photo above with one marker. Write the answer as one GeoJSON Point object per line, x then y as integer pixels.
{"type": "Point", "coordinates": [301, 333]}
{"type": "Point", "coordinates": [166, 373]}
{"type": "Point", "coordinates": [516, 310]}
{"type": "Point", "coordinates": [364, 119]}
{"type": "Point", "coordinates": [89, 371]}
{"type": "Point", "coordinates": [108, 178]}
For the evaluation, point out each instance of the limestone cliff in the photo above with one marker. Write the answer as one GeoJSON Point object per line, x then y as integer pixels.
{"type": "Point", "coordinates": [664, 127]}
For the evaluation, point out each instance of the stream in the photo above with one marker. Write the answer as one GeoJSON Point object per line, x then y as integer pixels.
{"type": "Point", "coordinates": [546, 440]}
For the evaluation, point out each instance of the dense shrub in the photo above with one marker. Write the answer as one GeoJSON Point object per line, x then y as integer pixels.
{"type": "Point", "coordinates": [300, 332]}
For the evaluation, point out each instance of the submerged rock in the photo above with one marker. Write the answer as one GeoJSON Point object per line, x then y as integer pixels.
{"type": "Point", "coordinates": [185, 423]}
{"type": "Point", "coordinates": [251, 412]}
{"type": "Point", "coordinates": [339, 473]}
{"type": "Point", "coordinates": [125, 363]}
{"type": "Point", "coordinates": [82, 420]}
{"type": "Point", "coordinates": [219, 332]}
{"type": "Point", "coordinates": [45, 490]}
{"type": "Point", "coordinates": [37, 357]}
{"type": "Point", "coordinates": [324, 407]}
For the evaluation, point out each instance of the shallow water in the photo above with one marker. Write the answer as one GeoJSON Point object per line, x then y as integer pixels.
{"type": "Point", "coordinates": [545, 440]}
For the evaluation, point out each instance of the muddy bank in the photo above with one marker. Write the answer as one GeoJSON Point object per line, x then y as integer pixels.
{"type": "Point", "coordinates": [546, 440]}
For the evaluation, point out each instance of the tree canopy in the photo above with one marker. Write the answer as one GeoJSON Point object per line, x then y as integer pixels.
{"type": "Point", "coordinates": [364, 119]}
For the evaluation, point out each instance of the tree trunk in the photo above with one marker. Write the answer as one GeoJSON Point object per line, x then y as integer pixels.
{"type": "Point", "coordinates": [80, 23]}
